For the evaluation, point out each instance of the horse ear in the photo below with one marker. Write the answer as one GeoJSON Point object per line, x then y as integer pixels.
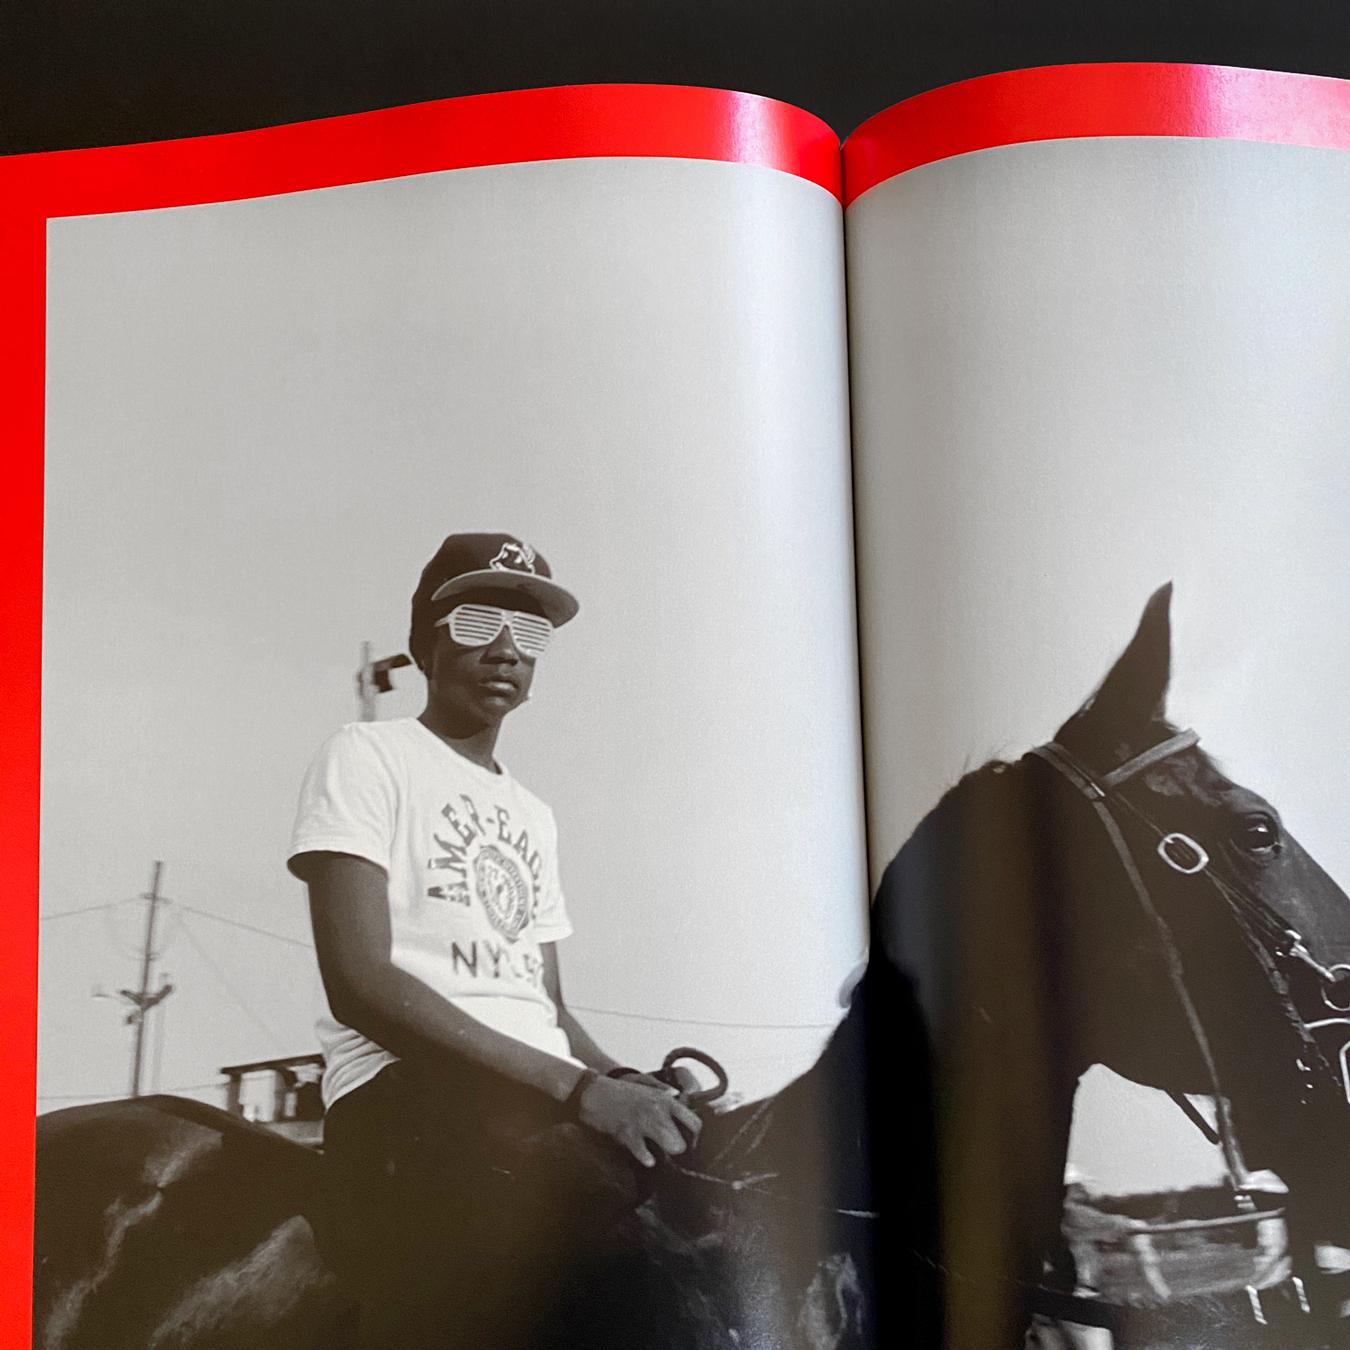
{"type": "Point", "coordinates": [1133, 696]}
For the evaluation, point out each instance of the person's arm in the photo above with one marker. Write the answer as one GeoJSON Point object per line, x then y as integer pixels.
{"type": "Point", "coordinates": [349, 911]}
{"type": "Point", "coordinates": [584, 1045]}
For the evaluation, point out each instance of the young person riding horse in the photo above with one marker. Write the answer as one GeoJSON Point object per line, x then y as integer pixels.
{"type": "Point", "coordinates": [479, 1144]}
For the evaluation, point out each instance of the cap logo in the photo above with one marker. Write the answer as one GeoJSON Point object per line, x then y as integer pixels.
{"type": "Point", "coordinates": [513, 557]}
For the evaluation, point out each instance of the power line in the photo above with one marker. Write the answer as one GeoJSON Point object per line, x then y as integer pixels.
{"type": "Point", "coordinates": [87, 909]}
{"type": "Point", "coordinates": [579, 1007]}
{"type": "Point", "coordinates": [189, 909]}
{"type": "Point", "coordinates": [230, 989]}
{"type": "Point", "coordinates": [309, 946]}
{"type": "Point", "coordinates": [702, 1021]}
{"type": "Point", "coordinates": [247, 927]}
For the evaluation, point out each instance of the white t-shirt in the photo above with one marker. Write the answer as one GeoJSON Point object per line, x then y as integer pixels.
{"type": "Point", "coordinates": [472, 862]}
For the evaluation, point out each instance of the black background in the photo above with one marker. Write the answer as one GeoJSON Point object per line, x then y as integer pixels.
{"type": "Point", "coordinates": [100, 72]}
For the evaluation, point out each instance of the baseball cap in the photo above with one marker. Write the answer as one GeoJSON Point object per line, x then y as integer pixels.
{"type": "Point", "coordinates": [501, 562]}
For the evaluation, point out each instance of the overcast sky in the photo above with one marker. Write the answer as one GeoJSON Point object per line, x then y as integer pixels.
{"type": "Point", "coordinates": [264, 416]}
{"type": "Point", "coordinates": [1083, 368]}
{"type": "Point", "coordinates": [1125, 365]}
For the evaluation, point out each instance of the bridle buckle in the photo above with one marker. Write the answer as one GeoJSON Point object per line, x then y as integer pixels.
{"type": "Point", "coordinates": [1182, 854]}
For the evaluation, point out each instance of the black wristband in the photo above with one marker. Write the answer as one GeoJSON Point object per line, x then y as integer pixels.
{"type": "Point", "coordinates": [572, 1103]}
{"type": "Point", "coordinates": [623, 1071]}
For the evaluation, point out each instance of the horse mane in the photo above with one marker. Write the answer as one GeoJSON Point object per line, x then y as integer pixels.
{"type": "Point", "coordinates": [962, 845]}
{"type": "Point", "coordinates": [885, 1024]}
{"type": "Point", "coordinates": [885, 1038]}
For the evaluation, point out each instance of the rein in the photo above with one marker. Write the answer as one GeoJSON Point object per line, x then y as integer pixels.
{"type": "Point", "coordinates": [750, 1186]}
{"type": "Point", "coordinates": [1097, 792]}
{"type": "Point", "coordinates": [1267, 932]}
{"type": "Point", "coordinates": [757, 1121]}
{"type": "Point", "coordinates": [1186, 856]}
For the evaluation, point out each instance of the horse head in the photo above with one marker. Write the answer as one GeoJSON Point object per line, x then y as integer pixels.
{"type": "Point", "coordinates": [1245, 838]}
{"type": "Point", "coordinates": [1114, 897]}
{"type": "Point", "coordinates": [1240, 934]}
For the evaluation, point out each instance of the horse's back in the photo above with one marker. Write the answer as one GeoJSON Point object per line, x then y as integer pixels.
{"type": "Point", "coordinates": [169, 1225]}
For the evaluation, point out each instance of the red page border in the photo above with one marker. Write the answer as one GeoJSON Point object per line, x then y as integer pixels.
{"type": "Point", "coordinates": [570, 122]}
{"type": "Point", "coordinates": [1116, 99]}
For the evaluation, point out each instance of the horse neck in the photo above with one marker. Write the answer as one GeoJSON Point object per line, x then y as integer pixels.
{"type": "Point", "coordinates": [1015, 918]}
{"type": "Point", "coordinates": [883, 1032]}
{"type": "Point", "coordinates": [1002, 907]}
{"type": "Point", "coordinates": [943, 903]}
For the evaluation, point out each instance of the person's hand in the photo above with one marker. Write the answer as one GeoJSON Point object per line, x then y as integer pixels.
{"type": "Point", "coordinates": [641, 1115]}
{"type": "Point", "coordinates": [686, 1080]}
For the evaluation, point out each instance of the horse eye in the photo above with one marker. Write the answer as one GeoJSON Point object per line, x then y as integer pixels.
{"type": "Point", "coordinates": [1257, 834]}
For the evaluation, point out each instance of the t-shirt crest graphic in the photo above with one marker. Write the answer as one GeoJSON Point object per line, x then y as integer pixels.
{"type": "Point", "coordinates": [502, 891]}
{"type": "Point", "coordinates": [513, 557]}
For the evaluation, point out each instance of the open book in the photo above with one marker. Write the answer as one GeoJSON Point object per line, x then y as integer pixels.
{"type": "Point", "coordinates": [919, 500]}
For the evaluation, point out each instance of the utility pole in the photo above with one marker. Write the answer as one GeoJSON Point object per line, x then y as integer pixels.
{"type": "Point", "coordinates": [143, 1001]}
{"type": "Point", "coordinates": [373, 679]}
{"type": "Point", "coordinates": [365, 685]}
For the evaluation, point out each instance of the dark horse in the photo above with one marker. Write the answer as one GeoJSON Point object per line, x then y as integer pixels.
{"type": "Point", "coordinates": [1114, 898]}
{"type": "Point", "coordinates": [1046, 916]}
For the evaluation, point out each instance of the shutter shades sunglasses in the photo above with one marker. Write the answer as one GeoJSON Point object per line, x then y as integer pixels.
{"type": "Point", "coordinates": [477, 625]}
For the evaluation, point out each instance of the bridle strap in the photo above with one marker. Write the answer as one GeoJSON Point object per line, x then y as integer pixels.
{"type": "Point", "coordinates": [1096, 791]}
{"type": "Point", "coordinates": [1094, 787]}
{"type": "Point", "coordinates": [1174, 745]}
{"type": "Point", "coordinates": [1056, 755]}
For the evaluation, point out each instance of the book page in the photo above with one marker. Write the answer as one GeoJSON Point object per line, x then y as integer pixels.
{"type": "Point", "coordinates": [1099, 322]}
{"type": "Point", "coordinates": [624, 362]}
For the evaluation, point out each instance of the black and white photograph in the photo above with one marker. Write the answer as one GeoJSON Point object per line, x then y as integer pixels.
{"type": "Point", "coordinates": [479, 544]}
{"type": "Point", "coordinates": [649, 751]}
{"type": "Point", "coordinates": [1119, 546]}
